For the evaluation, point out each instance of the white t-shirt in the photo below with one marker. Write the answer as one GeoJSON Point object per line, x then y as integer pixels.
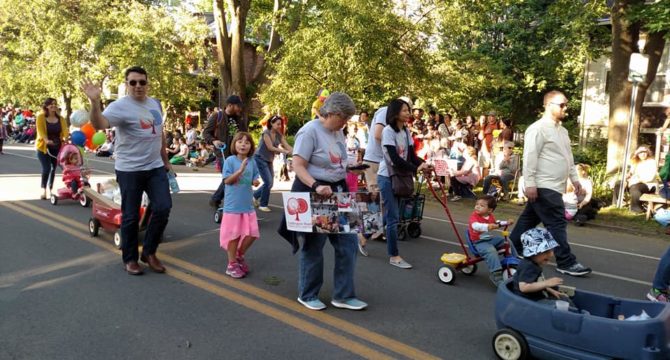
{"type": "Point", "coordinates": [139, 133]}
{"type": "Point", "coordinates": [324, 150]}
{"type": "Point", "coordinates": [398, 139]}
{"type": "Point", "coordinates": [191, 137]}
{"type": "Point", "coordinates": [373, 150]}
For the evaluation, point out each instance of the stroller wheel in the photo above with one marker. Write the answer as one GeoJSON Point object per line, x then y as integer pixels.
{"type": "Point", "coordinates": [93, 227]}
{"type": "Point", "coordinates": [446, 274]}
{"type": "Point", "coordinates": [402, 233]}
{"type": "Point", "coordinates": [84, 200]}
{"type": "Point", "coordinates": [414, 230]}
{"type": "Point", "coordinates": [53, 199]}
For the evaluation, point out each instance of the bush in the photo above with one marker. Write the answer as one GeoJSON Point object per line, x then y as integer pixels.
{"type": "Point", "coordinates": [595, 153]}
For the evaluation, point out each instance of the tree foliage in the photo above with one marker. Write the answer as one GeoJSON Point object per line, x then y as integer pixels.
{"type": "Point", "coordinates": [58, 43]}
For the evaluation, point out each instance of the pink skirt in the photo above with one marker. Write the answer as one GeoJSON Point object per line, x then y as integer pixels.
{"type": "Point", "coordinates": [235, 226]}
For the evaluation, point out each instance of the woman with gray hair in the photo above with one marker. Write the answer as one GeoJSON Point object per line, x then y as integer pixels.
{"type": "Point", "coordinates": [319, 162]}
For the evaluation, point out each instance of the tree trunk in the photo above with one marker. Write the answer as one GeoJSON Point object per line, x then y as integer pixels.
{"type": "Point", "coordinates": [223, 48]}
{"type": "Point", "coordinates": [67, 99]}
{"type": "Point", "coordinates": [276, 19]}
{"type": "Point", "coordinates": [624, 42]}
{"type": "Point", "coordinates": [239, 10]}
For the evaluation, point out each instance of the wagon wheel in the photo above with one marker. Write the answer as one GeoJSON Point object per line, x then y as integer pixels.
{"type": "Point", "coordinates": [117, 239]}
{"type": "Point", "coordinates": [508, 344]}
{"type": "Point", "coordinates": [446, 274]}
{"type": "Point", "coordinates": [93, 227]}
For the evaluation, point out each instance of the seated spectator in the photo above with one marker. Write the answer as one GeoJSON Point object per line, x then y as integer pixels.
{"type": "Point", "coordinates": [107, 148]}
{"type": "Point", "coordinates": [642, 174]}
{"type": "Point", "coordinates": [581, 207]}
{"type": "Point", "coordinates": [203, 155]}
{"type": "Point", "coordinates": [182, 155]}
{"type": "Point", "coordinates": [505, 166]}
{"type": "Point", "coordinates": [463, 180]}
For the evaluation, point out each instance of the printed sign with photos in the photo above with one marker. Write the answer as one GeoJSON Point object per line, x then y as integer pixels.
{"type": "Point", "coordinates": [338, 213]}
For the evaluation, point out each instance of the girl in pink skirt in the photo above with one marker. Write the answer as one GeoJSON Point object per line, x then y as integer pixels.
{"type": "Point", "coordinates": [239, 227]}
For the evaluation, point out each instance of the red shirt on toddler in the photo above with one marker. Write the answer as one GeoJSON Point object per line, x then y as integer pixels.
{"type": "Point", "coordinates": [476, 218]}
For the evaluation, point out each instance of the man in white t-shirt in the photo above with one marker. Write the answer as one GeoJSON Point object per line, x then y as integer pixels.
{"type": "Point", "coordinates": [141, 164]}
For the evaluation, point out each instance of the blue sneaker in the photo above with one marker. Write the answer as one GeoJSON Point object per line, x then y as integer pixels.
{"type": "Point", "coordinates": [315, 304]}
{"type": "Point", "coordinates": [351, 304]}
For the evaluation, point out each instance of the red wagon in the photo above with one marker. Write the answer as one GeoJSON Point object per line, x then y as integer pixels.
{"type": "Point", "coordinates": [106, 214]}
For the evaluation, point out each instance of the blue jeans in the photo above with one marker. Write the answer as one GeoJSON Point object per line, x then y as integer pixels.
{"type": "Point", "coordinates": [504, 182]}
{"type": "Point", "coordinates": [311, 266]}
{"type": "Point", "coordinates": [488, 249]}
{"type": "Point", "coordinates": [49, 164]}
{"type": "Point", "coordinates": [662, 277]}
{"type": "Point", "coordinates": [549, 210]}
{"type": "Point", "coordinates": [391, 213]}
{"type": "Point", "coordinates": [133, 184]}
{"type": "Point", "coordinates": [268, 176]}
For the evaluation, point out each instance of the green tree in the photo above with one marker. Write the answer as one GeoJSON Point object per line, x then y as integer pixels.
{"type": "Point", "coordinates": [631, 20]}
{"type": "Point", "coordinates": [58, 43]}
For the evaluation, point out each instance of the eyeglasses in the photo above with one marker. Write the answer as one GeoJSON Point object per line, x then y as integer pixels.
{"type": "Point", "coordinates": [135, 82]}
{"type": "Point", "coordinates": [561, 105]}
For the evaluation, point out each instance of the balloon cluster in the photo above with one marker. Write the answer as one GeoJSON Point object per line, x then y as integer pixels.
{"type": "Point", "coordinates": [86, 135]}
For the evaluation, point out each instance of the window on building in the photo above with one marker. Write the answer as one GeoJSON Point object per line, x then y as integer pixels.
{"type": "Point", "coordinates": [657, 90]}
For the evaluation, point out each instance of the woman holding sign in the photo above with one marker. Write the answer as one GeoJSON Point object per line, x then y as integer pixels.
{"type": "Point", "coordinates": [400, 161]}
{"type": "Point", "coordinates": [319, 162]}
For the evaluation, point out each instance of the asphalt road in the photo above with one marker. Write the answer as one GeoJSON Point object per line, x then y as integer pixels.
{"type": "Point", "coordinates": [64, 295]}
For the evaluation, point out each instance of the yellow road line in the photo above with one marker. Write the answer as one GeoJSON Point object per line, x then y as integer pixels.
{"type": "Point", "coordinates": [345, 326]}
{"type": "Point", "coordinates": [302, 325]}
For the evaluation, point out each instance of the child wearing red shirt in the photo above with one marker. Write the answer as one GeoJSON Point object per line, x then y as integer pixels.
{"type": "Point", "coordinates": [480, 227]}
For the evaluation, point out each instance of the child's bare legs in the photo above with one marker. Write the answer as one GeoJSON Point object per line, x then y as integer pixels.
{"type": "Point", "coordinates": [241, 250]}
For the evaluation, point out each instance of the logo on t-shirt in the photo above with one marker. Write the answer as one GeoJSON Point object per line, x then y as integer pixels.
{"type": "Point", "coordinates": [150, 119]}
{"type": "Point", "coordinates": [337, 151]}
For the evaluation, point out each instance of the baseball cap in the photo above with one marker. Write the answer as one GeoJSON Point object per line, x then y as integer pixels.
{"type": "Point", "coordinates": [407, 100]}
{"type": "Point", "coordinates": [234, 100]}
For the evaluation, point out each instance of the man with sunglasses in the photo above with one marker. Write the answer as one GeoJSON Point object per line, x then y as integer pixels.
{"type": "Point", "coordinates": [547, 164]}
{"type": "Point", "coordinates": [141, 164]}
{"type": "Point", "coordinates": [220, 130]}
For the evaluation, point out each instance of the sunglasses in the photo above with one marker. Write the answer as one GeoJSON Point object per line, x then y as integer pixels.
{"type": "Point", "coordinates": [561, 105]}
{"type": "Point", "coordinates": [135, 82]}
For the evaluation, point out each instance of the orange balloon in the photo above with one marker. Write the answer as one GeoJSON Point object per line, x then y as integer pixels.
{"type": "Point", "coordinates": [88, 130]}
{"type": "Point", "coordinates": [89, 144]}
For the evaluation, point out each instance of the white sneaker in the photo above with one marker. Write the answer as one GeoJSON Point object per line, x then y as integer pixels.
{"type": "Point", "coordinates": [264, 209]}
{"type": "Point", "coordinates": [255, 202]}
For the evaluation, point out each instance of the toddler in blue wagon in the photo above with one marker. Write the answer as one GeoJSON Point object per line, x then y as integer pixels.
{"type": "Point", "coordinates": [481, 224]}
{"type": "Point", "coordinates": [528, 281]}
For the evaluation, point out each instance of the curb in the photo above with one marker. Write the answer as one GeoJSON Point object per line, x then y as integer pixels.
{"type": "Point", "coordinates": [510, 209]}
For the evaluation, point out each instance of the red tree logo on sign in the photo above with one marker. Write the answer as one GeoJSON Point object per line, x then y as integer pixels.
{"type": "Point", "coordinates": [296, 207]}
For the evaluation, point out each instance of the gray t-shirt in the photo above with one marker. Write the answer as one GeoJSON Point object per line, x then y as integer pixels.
{"type": "Point", "coordinates": [324, 150]}
{"type": "Point", "coordinates": [262, 151]}
{"type": "Point", "coordinates": [398, 139]}
{"type": "Point", "coordinates": [139, 133]}
{"type": "Point", "coordinates": [373, 151]}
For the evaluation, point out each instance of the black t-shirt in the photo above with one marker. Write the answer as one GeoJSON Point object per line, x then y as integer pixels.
{"type": "Point", "coordinates": [528, 272]}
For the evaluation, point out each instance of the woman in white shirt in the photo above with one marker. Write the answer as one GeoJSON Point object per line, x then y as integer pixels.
{"type": "Point", "coordinates": [643, 171]}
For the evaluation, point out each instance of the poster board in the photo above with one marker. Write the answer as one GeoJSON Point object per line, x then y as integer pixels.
{"type": "Point", "coordinates": [339, 213]}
